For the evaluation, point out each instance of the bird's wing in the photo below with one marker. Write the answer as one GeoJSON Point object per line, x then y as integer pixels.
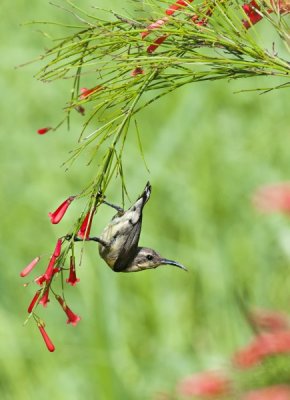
{"type": "Point", "coordinates": [129, 248]}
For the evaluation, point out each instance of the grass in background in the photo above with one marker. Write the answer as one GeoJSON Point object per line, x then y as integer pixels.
{"type": "Point", "coordinates": [207, 150]}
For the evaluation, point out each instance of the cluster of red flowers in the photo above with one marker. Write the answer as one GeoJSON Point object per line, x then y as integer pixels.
{"type": "Point", "coordinates": [251, 9]}
{"type": "Point", "coordinates": [262, 346]}
{"type": "Point", "coordinates": [273, 331]}
{"type": "Point", "coordinates": [56, 266]}
{"type": "Point", "coordinates": [214, 385]}
{"type": "Point", "coordinates": [273, 339]}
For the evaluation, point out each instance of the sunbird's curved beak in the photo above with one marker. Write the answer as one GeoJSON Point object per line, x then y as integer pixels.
{"type": "Point", "coordinates": [165, 261]}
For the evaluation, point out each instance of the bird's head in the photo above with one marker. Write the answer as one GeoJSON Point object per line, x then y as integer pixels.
{"type": "Point", "coordinates": [147, 258]}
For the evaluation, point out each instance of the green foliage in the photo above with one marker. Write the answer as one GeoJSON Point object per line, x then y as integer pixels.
{"type": "Point", "coordinates": [114, 47]}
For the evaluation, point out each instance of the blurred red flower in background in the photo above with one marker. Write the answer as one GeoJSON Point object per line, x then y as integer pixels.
{"type": "Point", "coordinates": [278, 392]}
{"type": "Point", "coordinates": [263, 345]}
{"type": "Point", "coordinates": [269, 320]}
{"type": "Point", "coordinates": [205, 385]}
{"type": "Point", "coordinates": [272, 198]}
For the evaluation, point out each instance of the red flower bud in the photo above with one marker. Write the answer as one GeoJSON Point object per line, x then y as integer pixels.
{"type": "Point", "coordinates": [72, 317]}
{"type": "Point", "coordinates": [57, 215]}
{"type": "Point", "coordinates": [46, 338]}
{"type": "Point", "coordinates": [29, 267]}
{"type": "Point", "coordinates": [88, 92]}
{"type": "Point", "coordinates": [156, 44]}
{"type": "Point", "coordinates": [57, 249]}
{"type": "Point", "coordinates": [33, 301]}
{"type": "Point", "coordinates": [85, 228]}
{"type": "Point", "coordinates": [177, 6]}
{"type": "Point", "coordinates": [72, 279]}
{"type": "Point", "coordinates": [42, 131]}
{"type": "Point", "coordinates": [49, 270]}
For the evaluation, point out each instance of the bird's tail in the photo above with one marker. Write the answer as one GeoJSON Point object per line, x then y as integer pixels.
{"type": "Point", "coordinates": [146, 193]}
{"type": "Point", "coordinates": [142, 200]}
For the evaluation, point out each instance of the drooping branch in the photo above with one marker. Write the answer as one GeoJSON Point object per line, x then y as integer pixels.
{"type": "Point", "coordinates": [132, 63]}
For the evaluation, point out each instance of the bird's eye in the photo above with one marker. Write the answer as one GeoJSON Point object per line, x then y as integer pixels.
{"type": "Point", "coordinates": [149, 257]}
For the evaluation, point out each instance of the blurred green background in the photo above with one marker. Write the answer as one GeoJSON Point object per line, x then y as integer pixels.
{"type": "Point", "coordinates": [207, 149]}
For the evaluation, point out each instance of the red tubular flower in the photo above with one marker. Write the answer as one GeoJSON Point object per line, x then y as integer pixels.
{"type": "Point", "coordinates": [273, 198]}
{"type": "Point", "coordinates": [85, 228]}
{"type": "Point", "coordinates": [137, 71]}
{"type": "Point", "coordinates": [269, 320]}
{"type": "Point", "coordinates": [45, 336]}
{"type": "Point", "coordinates": [72, 279]}
{"type": "Point", "coordinates": [44, 299]}
{"type": "Point", "coordinates": [29, 267]}
{"type": "Point", "coordinates": [33, 301]}
{"type": "Point", "coordinates": [43, 278]}
{"type": "Point", "coordinates": [42, 131]}
{"type": "Point", "coordinates": [277, 392]}
{"type": "Point", "coordinates": [204, 385]}
{"type": "Point", "coordinates": [156, 44]}
{"type": "Point", "coordinates": [49, 270]}
{"type": "Point", "coordinates": [88, 92]}
{"type": "Point", "coordinates": [57, 249]}
{"type": "Point", "coordinates": [72, 317]}
{"type": "Point", "coordinates": [57, 215]}
{"type": "Point", "coordinates": [177, 6]}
